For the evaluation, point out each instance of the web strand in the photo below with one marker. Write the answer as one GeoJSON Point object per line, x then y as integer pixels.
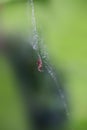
{"type": "Point", "coordinates": [44, 55]}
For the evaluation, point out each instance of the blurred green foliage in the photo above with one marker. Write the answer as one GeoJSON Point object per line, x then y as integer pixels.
{"type": "Point", "coordinates": [63, 24]}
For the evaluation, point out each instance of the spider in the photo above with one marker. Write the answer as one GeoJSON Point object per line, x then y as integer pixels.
{"type": "Point", "coordinates": [40, 64]}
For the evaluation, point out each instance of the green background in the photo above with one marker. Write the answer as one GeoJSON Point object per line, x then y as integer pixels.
{"type": "Point", "coordinates": [63, 25]}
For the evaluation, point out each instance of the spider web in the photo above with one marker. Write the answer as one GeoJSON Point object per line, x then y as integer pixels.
{"type": "Point", "coordinates": [37, 44]}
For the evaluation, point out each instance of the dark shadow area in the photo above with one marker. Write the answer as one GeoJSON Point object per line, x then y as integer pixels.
{"type": "Point", "coordinates": [41, 97]}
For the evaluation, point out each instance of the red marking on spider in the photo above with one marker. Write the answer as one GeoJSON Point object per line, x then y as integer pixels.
{"type": "Point", "coordinates": [40, 65]}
